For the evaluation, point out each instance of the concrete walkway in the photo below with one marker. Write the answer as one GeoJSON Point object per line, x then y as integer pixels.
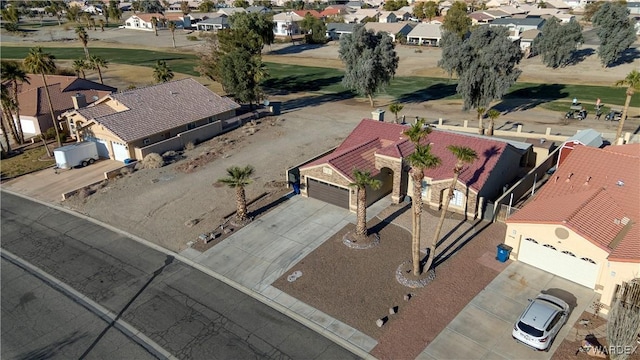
{"type": "Point", "coordinates": [482, 330]}
{"type": "Point", "coordinates": [264, 250]}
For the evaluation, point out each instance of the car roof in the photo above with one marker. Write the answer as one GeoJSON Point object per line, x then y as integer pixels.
{"type": "Point", "coordinates": [539, 313]}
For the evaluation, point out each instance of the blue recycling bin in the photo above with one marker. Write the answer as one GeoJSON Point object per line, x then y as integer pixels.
{"type": "Point", "coordinates": [503, 252]}
{"type": "Point", "coordinates": [296, 188]}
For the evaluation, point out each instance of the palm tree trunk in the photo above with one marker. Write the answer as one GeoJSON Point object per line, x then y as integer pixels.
{"type": "Point", "coordinates": [173, 37]}
{"type": "Point", "coordinates": [53, 115]}
{"type": "Point", "coordinates": [417, 217]}
{"type": "Point", "coordinates": [8, 115]}
{"type": "Point", "coordinates": [361, 226]}
{"type": "Point", "coordinates": [480, 125]}
{"type": "Point", "coordinates": [18, 122]}
{"type": "Point", "coordinates": [100, 74]}
{"type": "Point", "coordinates": [490, 130]}
{"type": "Point", "coordinates": [443, 213]}
{"type": "Point", "coordinates": [5, 135]}
{"type": "Point", "coordinates": [371, 99]}
{"type": "Point", "coordinates": [624, 115]}
{"type": "Point", "coordinates": [86, 52]}
{"type": "Point", "coordinates": [84, 76]}
{"type": "Point", "coordinates": [241, 204]}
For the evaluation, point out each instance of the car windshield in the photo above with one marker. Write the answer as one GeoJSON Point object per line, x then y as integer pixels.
{"type": "Point", "coordinates": [530, 329]}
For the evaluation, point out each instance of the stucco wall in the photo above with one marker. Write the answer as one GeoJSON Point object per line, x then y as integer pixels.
{"type": "Point", "coordinates": [329, 175]}
{"type": "Point", "coordinates": [395, 165]}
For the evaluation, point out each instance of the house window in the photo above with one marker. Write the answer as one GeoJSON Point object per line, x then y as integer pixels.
{"type": "Point", "coordinates": [212, 119]}
{"type": "Point", "coordinates": [191, 126]}
{"type": "Point", "coordinates": [425, 190]}
{"type": "Point", "coordinates": [458, 198]}
{"type": "Point", "coordinates": [146, 141]}
{"type": "Point", "coordinates": [532, 240]}
{"type": "Point", "coordinates": [566, 252]}
{"type": "Point", "coordinates": [588, 260]}
{"type": "Point", "coordinates": [549, 246]}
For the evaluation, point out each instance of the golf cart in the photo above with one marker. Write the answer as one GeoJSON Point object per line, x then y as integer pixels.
{"type": "Point", "coordinates": [613, 115]}
{"type": "Point", "coordinates": [576, 112]}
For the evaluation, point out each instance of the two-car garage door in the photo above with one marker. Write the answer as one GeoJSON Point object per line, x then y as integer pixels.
{"type": "Point", "coordinates": [570, 266]}
{"type": "Point", "coordinates": [328, 193]}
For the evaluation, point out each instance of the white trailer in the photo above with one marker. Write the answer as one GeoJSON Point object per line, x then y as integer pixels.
{"type": "Point", "coordinates": [78, 154]}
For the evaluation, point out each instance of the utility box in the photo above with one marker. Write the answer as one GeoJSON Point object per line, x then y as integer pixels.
{"type": "Point", "coordinates": [377, 114]}
{"type": "Point", "coordinates": [78, 154]}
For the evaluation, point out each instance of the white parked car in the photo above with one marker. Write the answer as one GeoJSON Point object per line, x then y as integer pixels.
{"type": "Point", "coordinates": [541, 321]}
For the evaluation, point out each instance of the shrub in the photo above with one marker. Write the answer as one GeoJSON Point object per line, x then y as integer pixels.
{"type": "Point", "coordinates": [126, 171]}
{"type": "Point", "coordinates": [189, 146]}
{"type": "Point", "coordinates": [153, 161]}
{"type": "Point", "coordinates": [192, 38]}
{"type": "Point", "coordinates": [85, 193]}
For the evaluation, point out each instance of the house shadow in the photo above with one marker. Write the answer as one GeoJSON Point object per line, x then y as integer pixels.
{"type": "Point", "coordinates": [295, 49]}
{"type": "Point", "coordinates": [314, 100]}
{"type": "Point", "coordinates": [460, 242]}
{"type": "Point", "coordinates": [531, 96]}
{"type": "Point", "coordinates": [434, 92]}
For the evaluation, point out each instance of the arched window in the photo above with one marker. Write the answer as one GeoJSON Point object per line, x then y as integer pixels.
{"type": "Point", "coordinates": [532, 240]}
{"type": "Point", "coordinates": [569, 253]}
{"type": "Point", "coordinates": [588, 260]}
{"type": "Point", "coordinates": [549, 246]}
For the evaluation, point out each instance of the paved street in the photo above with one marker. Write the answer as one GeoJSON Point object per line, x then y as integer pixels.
{"type": "Point", "coordinates": [186, 312]}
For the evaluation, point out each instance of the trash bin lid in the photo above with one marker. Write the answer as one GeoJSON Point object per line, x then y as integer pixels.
{"type": "Point", "coordinates": [505, 247]}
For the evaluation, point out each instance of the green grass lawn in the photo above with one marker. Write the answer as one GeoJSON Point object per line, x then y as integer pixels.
{"type": "Point", "coordinates": [26, 162]}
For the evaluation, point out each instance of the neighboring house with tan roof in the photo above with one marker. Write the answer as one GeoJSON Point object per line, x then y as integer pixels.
{"type": "Point", "coordinates": [35, 115]}
{"type": "Point", "coordinates": [142, 21]}
{"type": "Point", "coordinates": [582, 225]}
{"type": "Point", "coordinates": [156, 119]}
{"type": "Point", "coordinates": [392, 29]}
{"type": "Point", "coordinates": [387, 17]}
{"type": "Point", "coordinates": [425, 34]}
{"type": "Point", "coordinates": [381, 148]}
{"type": "Point", "coordinates": [287, 23]}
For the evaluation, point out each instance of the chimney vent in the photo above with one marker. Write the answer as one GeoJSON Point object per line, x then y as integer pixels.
{"type": "Point", "coordinates": [79, 101]}
{"type": "Point", "coordinates": [569, 177]}
{"type": "Point", "coordinates": [620, 183]}
{"type": "Point", "coordinates": [588, 179]}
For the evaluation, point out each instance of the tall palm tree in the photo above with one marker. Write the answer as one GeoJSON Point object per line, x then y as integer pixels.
{"type": "Point", "coordinates": [480, 111]}
{"type": "Point", "coordinates": [362, 180]}
{"type": "Point", "coordinates": [98, 63]}
{"type": "Point", "coordinates": [154, 22]}
{"type": "Point", "coordinates": [464, 155]}
{"type": "Point", "coordinates": [237, 178]}
{"type": "Point", "coordinates": [84, 39]}
{"type": "Point", "coordinates": [172, 27]}
{"type": "Point", "coordinates": [79, 65]}
{"type": "Point", "coordinates": [632, 82]}
{"type": "Point", "coordinates": [419, 161]}
{"type": "Point", "coordinates": [43, 63]}
{"type": "Point", "coordinates": [161, 72]}
{"type": "Point", "coordinates": [13, 72]}
{"type": "Point", "coordinates": [6, 103]}
{"type": "Point", "coordinates": [493, 114]}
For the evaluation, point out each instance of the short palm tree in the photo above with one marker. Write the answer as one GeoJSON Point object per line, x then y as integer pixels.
{"type": "Point", "coordinates": [102, 22]}
{"type": "Point", "coordinates": [79, 65]}
{"type": "Point", "coordinates": [13, 72]}
{"type": "Point", "coordinates": [98, 63]}
{"type": "Point", "coordinates": [161, 72]}
{"type": "Point", "coordinates": [154, 22]}
{"type": "Point", "coordinates": [395, 108]}
{"type": "Point", "coordinates": [172, 27]}
{"type": "Point", "coordinates": [632, 82]}
{"type": "Point", "coordinates": [84, 39]}
{"type": "Point", "coordinates": [419, 161]}
{"type": "Point", "coordinates": [480, 111]}
{"type": "Point", "coordinates": [43, 63]}
{"type": "Point", "coordinates": [493, 114]}
{"type": "Point", "coordinates": [464, 155]}
{"type": "Point", "coordinates": [237, 178]}
{"type": "Point", "coordinates": [362, 180]}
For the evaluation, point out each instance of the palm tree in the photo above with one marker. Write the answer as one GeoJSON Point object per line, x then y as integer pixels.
{"type": "Point", "coordinates": [480, 111]}
{"type": "Point", "coordinates": [420, 160]}
{"type": "Point", "coordinates": [79, 65]}
{"type": "Point", "coordinates": [13, 72]}
{"type": "Point", "coordinates": [632, 82]}
{"type": "Point", "coordinates": [172, 27]}
{"type": "Point", "coordinates": [154, 22]}
{"type": "Point", "coordinates": [395, 108]}
{"type": "Point", "coordinates": [101, 22]}
{"type": "Point", "coordinates": [464, 155]}
{"type": "Point", "coordinates": [84, 39]}
{"type": "Point", "coordinates": [493, 114]}
{"type": "Point", "coordinates": [238, 178]}
{"type": "Point", "coordinates": [161, 72]}
{"type": "Point", "coordinates": [6, 103]}
{"type": "Point", "coordinates": [98, 63]}
{"type": "Point", "coordinates": [362, 179]}
{"type": "Point", "coordinates": [43, 63]}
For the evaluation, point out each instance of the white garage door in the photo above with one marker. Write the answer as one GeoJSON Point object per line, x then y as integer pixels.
{"type": "Point", "coordinates": [28, 127]}
{"type": "Point", "coordinates": [120, 151]}
{"type": "Point", "coordinates": [103, 149]}
{"type": "Point", "coordinates": [569, 266]}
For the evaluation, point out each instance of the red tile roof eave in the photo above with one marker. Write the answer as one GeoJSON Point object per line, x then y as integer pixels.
{"type": "Point", "coordinates": [624, 260]}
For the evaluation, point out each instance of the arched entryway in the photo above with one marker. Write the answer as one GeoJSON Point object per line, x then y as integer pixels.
{"type": "Point", "coordinates": [386, 177]}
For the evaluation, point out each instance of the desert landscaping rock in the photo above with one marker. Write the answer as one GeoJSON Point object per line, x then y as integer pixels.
{"type": "Point", "coordinates": [372, 240]}
{"type": "Point", "coordinates": [404, 276]}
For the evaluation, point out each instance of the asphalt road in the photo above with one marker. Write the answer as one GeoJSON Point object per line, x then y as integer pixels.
{"type": "Point", "coordinates": [185, 312]}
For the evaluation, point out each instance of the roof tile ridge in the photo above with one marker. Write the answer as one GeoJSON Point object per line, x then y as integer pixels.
{"type": "Point", "coordinates": [355, 147]}
{"type": "Point", "coordinates": [579, 208]}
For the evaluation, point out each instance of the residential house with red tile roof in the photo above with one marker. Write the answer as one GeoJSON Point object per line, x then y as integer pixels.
{"type": "Point", "coordinates": [381, 148]}
{"type": "Point", "coordinates": [143, 21]}
{"type": "Point", "coordinates": [153, 119]}
{"type": "Point", "coordinates": [35, 114]}
{"type": "Point", "coordinates": [582, 225]}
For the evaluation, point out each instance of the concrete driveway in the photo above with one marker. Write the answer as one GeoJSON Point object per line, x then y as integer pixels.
{"type": "Point", "coordinates": [48, 186]}
{"type": "Point", "coordinates": [482, 330]}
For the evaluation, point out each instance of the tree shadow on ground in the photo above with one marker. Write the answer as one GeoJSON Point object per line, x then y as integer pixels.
{"type": "Point", "coordinates": [263, 209]}
{"type": "Point", "coordinates": [460, 242]}
{"type": "Point", "coordinates": [389, 219]}
{"type": "Point", "coordinates": [295, 49]}
{"type": "Point", "coordinates": [581, 55]}
{"type": "Point", "coordinates": [628, 56]}
{"type": "Point", "coordinates": [434, 92]}
{"type": "Point", "coordinates": [530, 97]}
{"type": "Point", "coordinates": [299, 83]}
{"type": "Point", "coordinates": [314, 100]}
{"type": "Point", "coordinates": [54, 349]}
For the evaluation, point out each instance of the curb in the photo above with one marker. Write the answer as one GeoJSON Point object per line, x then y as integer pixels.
{"type": "Point", "coordinates": [255, 295]}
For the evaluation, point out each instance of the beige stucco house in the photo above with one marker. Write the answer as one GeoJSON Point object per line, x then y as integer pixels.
{"type": "Point", "coordinates": [381, 148]}
{"type": "Point", "coordinates": [158, 118]}
{"type": "Point", "coordinates": [582, 224]}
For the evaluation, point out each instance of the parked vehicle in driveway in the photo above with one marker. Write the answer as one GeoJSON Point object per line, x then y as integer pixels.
{"type": "Point", "coordinates": [541, 321]}
{"type": "Point", "coordinates": [78, 154]}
